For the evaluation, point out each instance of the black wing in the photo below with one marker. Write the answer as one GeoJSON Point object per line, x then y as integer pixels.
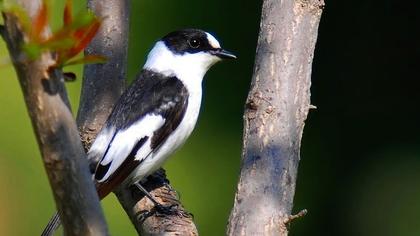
{"type": "Point", "coordinates": [143, 118]}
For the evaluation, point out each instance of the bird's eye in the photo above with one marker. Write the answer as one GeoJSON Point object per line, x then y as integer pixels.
{"type": "Point", "coordinates": [194, 43]}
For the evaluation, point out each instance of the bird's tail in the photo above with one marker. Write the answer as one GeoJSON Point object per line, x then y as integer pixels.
{"type": "Point", "coordinates": [52, 225]}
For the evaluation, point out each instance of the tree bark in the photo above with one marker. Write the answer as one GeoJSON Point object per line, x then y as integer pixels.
{"type": "Point", "coordinates": [102, 85]}
{"type": "Point", "coordinates": [275, 112]}
{"type": "Point", "coordinates": [56, 132]}
{"type": "Point", "coordinates": [143, 215]}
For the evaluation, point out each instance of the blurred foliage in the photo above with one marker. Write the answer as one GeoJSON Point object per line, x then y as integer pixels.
{"type": "Point", "coordinates": [66, 42]}
{"type": "Point", "coordinates": [360, 164]}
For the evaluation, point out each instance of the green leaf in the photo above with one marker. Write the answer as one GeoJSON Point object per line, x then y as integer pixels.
{"type": "Point", "coordinates": [32, 50]}
{"type": "Point", "coordinates": [83, 18]}
{"type": "Point", "coordinates": [58, 44]}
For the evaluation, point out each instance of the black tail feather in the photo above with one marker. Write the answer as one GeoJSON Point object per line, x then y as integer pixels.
{"type": "Point", "coordinates": [52, 225]}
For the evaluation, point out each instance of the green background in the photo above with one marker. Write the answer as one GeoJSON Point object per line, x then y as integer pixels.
{"type": "Point", "coordinates": [360, 168]}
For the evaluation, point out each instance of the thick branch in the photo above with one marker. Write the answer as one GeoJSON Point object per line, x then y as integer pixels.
{"type": "Point", "coordinates": [56, 133]}
{"type": "Point", "coordinates": [276, 108]}
{"type": "Point", "coordinates": [102, 86]}
{"type": "Point", "coordinates": [142, 212]}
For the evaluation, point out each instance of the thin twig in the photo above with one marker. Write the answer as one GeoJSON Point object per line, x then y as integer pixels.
{"type": "Point", "coordinates": [291, 218]}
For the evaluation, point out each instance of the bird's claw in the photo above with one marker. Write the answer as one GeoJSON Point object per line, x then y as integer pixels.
{"type": "Point", "coordinates": [171, 210]}
{"type": "Point", "coordinates": [169, 188]}
{"type": "Point", "coordinates": [167, 210]}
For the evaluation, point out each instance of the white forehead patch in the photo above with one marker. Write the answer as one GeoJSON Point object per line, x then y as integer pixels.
{"type": "Point", "coordinates": [213, 41]}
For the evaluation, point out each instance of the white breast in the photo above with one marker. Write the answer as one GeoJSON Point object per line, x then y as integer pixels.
{"type": "Point", "coordinates": [190, 69]}
{"type": "Point", "coordinates": [173, 142]}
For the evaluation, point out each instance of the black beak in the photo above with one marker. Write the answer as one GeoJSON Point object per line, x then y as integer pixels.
{"type": "Point", "coordinates": [223, 54]}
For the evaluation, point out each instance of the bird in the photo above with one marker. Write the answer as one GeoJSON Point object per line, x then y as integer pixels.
{"type": "Point", "coordinates": [155, 115]}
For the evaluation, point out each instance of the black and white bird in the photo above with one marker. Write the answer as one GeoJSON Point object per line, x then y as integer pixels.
{"type": "Point", "coordinates": [158, 112]}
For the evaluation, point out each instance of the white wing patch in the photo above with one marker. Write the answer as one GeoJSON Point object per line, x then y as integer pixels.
{"type": "Point", "coordinates": [101, 142]}
{"type": "Point", "coordinates": [125, 140]}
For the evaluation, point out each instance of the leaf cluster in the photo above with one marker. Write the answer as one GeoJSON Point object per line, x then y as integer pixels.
{"type": "Point", "coordinates": [67, 42]}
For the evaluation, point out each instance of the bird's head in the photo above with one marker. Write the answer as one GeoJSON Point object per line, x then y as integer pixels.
{"type": "Point", "coordinates": [186, 53]}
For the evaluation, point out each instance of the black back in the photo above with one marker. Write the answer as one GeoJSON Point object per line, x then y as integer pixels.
{"type": "Point", "coordinates": [150, 93]}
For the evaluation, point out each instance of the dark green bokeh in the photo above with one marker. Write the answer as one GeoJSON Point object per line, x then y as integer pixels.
{"type": "Point", "coordinates": [360, 155]}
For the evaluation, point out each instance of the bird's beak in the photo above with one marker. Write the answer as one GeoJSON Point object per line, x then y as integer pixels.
{"type": "Point", "coordinates": [223, 54]}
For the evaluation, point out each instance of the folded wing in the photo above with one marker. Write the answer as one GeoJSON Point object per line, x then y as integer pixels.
{"type": "Point", "coordinates": [143, 118]}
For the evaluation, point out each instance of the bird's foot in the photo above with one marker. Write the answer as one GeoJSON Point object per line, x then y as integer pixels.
{"type": "Point", "coordinates": [170, 188]}
{"type": "Point", "coordinates": [173, 209]}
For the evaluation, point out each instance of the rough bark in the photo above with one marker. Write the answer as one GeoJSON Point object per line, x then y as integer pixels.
{"type": "Point", "coordinates": [102, 86]}
{"type": "Point", "coordinates": [143, 214]}
{"type": "Point", "coordinates": [56, 133]}
{"type": "Point", "coordinates": [104, 83]}
{"type": "Point", "coordinates": [275, 112]}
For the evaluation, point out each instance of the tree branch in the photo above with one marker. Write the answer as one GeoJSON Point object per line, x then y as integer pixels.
{"type": "Point", "coordinates": [143, 215]}
{"type": "Point", "coordinates": [104, 83]}
{"type": "Point", "coordinates": [275, 112]}
{"type": "Point", "coordinates": [56, 133]}
{"type": "Point", "coordinates": [102, 86]}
